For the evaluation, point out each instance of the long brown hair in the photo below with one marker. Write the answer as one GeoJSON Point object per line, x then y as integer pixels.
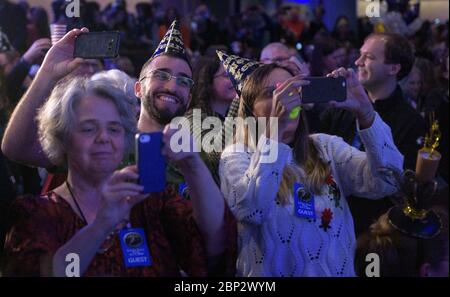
{"type": "Point", "coordinates": [203, 90]}
{"type": "Point", "coordinates": [305, 154]}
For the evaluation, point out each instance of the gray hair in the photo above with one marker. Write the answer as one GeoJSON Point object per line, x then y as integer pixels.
{"type": "Point", "coordinates": [122, 80]}
{"type": "Point", "coordinates": [56, 118]}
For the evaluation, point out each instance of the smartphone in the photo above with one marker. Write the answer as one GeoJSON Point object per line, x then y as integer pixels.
{"type": "Point", "coordinates": [151, 163]}
{"type": "Point", "coordinates": [97, 45]}
{"type": "Point", "coordinates": [324, 89]}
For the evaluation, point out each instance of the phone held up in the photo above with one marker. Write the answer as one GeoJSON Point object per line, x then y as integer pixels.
{"type": "Point", "coordinates": [150, 161]}
{"type": "Point", "coordinates": [97, 45]}
{"type": "Point", "coordinates": [324, 89]}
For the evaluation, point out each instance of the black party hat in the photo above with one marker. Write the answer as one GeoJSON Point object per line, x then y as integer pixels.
{"type": "Point", "coordinates": [237, 68]}
{"type": "Point", "coordinates": [172, 43]}
{"type": "Point", "coordinates": [5, 45]}
{"type": "Point", "coordinates": [412, 214]}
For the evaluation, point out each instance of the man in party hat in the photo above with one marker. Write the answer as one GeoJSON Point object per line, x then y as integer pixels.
{"type": "Point", "coordinates": [164, 87]}
{"type": "Point", "coordinates": [165, 82]}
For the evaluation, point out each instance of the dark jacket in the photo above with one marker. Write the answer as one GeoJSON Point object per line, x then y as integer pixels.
{"type": "Point", "coordinates": [407, 127]}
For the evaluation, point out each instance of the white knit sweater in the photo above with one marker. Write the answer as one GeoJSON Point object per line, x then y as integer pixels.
{"type": "Point", "coordinates": [272, 240]}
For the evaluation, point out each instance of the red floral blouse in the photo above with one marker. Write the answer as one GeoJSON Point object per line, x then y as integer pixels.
{"type": "Point", "coordinates": [40, 225]}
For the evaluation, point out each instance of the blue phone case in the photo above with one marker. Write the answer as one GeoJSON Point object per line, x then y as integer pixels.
{"type": "Point", "coordinates": [151, 163]}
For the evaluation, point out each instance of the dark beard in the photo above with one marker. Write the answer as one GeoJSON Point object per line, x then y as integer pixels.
{"type": "Point", "coordinates": [163, 117]}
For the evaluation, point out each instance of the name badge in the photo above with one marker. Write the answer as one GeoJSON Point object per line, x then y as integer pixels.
{"type": "Point", "coordinates": [304, 202]}
{"type": "Point", "coordinates": [134, 247]}
{"type": "Point", "coordinates": [183, 190]}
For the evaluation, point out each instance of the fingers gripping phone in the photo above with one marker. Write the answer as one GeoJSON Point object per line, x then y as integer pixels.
{"type": "Point", "coordinates": [97, 45]}
{"type": "Point", "coordinates": [324, 89]}
{"type": "Point", "coordinates": [151, 163]}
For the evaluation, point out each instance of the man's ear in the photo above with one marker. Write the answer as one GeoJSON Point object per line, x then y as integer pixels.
{"type": "Point", "coordinates": [425, 270]}
{"type": "Point", "coordinates": [138, 89]}
{"type": "Point", "coordinates": [394, 69]}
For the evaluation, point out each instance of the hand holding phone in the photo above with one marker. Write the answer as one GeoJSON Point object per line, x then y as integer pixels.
{"type": "Point", "coordinates": [97, 45]}
{"type": "Point", "coordinates": [59, 60]}
{"type": "Point", "coordinates": [151, 163]}
{"type": "Point", "coordinates": [358, 101]}
{"type": "Point", "coordinates": [119, 194]}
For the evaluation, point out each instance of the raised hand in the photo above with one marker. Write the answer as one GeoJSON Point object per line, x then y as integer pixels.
{"type": "Point", "coordinates": [59, 60]}
{"type": "Point", "coordinates": [119, 195]}
{"type": "Point", "coordinates": [286, 102]}
{"type": "Point", "coordinates": [357, 100]}
{"type": "Point", "coordinates": [37, 50]}
{"type": "Point", "coordinates": [184, 158]}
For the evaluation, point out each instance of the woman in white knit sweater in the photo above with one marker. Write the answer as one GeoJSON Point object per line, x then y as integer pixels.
{"type": "Point", "coordinates": [293, 219]}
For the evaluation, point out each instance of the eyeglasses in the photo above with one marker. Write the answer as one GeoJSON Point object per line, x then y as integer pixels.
{"type": "Point", "coordinates": [161, 75]}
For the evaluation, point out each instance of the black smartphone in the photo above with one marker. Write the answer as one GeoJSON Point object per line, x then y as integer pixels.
{"type": "Point", "coordinates": [324, 89]}
{"type": "Point", "coordinates": [97, 45]}
{"type": "Point", "coordinates": [151, 163]}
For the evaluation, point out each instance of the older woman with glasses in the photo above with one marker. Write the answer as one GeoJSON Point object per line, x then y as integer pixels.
{"type": "Point", "coordinates": [98, 216]}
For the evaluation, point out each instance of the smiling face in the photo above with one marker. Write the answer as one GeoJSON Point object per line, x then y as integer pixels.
{"type": "Point", "coordinates": [372, 69]}
{"type": "Point", "coordinates": [97, 142]}
{"type": "Point", "coordinates": [164, 100]}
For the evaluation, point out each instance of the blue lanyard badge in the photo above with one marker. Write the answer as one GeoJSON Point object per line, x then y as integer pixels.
{"type": "Point", "coordinates": [134, 247]}
{"type": "Point", "coordinates": [304, 202]}
{"type": "Point", "coordinates": [183, 190]}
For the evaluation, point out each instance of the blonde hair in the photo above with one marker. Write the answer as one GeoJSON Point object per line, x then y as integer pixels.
{"type": "Point", "coordinates": [309, 167]}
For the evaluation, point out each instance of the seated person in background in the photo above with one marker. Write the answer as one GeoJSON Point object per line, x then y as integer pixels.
{"type": "Point", "coordinates": [412, 88]}
{"type": "Point", "coordinates": [293, 218]}
{"type": "Point", "coordinates": [274, 52]}
{"type": "Point", "coordinates": [279, 53]}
